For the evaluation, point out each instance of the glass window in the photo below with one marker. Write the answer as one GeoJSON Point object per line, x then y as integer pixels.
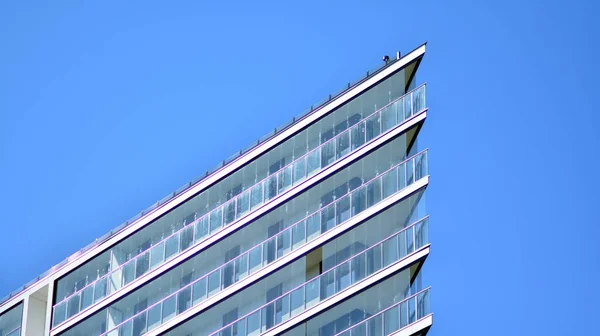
{"type": "Point", "coordinates": [187, 237]}
{"type": "Point", "coordinates": [359, 200]}
{"type": "Point", "coordinates": [328, 218]}
{"type": "Point", "coordinates": [374, 259]}
{"type": "Point", "coordinates": [100, 289]}
{"type": "Point", "coordinates": [409, 172]}
{"type": "Point", "coordinates": [214, 282]}
{"type": "Point", "coordinates": [313, 162]}
{"type": "Point", "coordinates": [358, 266]}
{"type": "Point", "coordinates": [154, 316]}
{"type": "Point", "coordinates": [343, 277]}
{"type": "Point", "coordinates": [253, 324]}
{"type": "Point", "coordinates": [184, 299]}
{"type": "Point", "coordinates": [257, 196]}
{"type": "Point", "coordinates": [313, 226]}
{"type": "Point", "coordinates": [282, 312]}
{"type": "Point", "coordinates": [283, 243]}
{"type": "Point", "coordinates": [299, 172]}
{"type": "Point", "coordinates": [169, 308]}
{"type": "Point", "coordinates": [388, 119]}
{"type": "Point", "coordinates": [172, 246]}
{"type": "Point", "coordinates": [342, 209]}
{"type": "Point", "coordinates": [157, 255]}
{"type": "Point", "coordinates": [390, 251]}
{"type": "Point", "coordinates": [328, 153]}
{"type": "Point", "coordinates": [201, 228]}
{"type": "Point", "coordinates": [199, 291]}
{"type": "Point", "coordinates": [241, 267]}
{"type": "Point", "coordinates": [373, 127]}
{"type": "Point", "coordinates": [255, 258]}
{"type": "Point", "coordinates": [216, 220]}
{"type": "Point", "coordinates": [297, 301]}
{"type": "Point", "coordinates": [142, 264]}
{"type": "Point", "coordinates": [312, 293]}
{"type": "Point", "coordinates": [60, 312]}
{"type": "Point", "coordinates": [73, 306]}
{"type": "Point", "coordinates": [391, 320]}
{"type": "Point", "coordinates": [243, 204]}
{"type": "Point", "coordinates": [139, 325]}
{"type": "Point", "coordinates": [126, 329]}
{"type": "Point", "coordinates": [343, 145]}
{"type": "Point", "coordinates": [374, 192]}
{"type": "Point", "coordinates": [87, 297]}
{"type": "Point", "coordinates": [229, 212]}
{"type": "Point", "coordinates": [298, 234]}
{"type": "Point", "coordinates": [327, 285]}
{"type": "Point", "coordinates": [285, 179]}
{"type": "Point", "coordinates": [271, 187]}
{"type": "Point", "coordinates": [389, 183]}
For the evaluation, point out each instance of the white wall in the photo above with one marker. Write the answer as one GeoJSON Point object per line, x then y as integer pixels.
{"type": "Point", "coordinates": [34, 313]}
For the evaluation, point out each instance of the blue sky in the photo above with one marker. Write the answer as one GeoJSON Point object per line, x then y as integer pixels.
{"type": "Point", "coordinates": [106, 107]}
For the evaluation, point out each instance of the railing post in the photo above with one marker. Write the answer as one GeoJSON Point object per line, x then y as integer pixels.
{"type": "Point", "coordinates": [234, 203]}
{"type": "Point", "coordinates": [262, 254]}
{"type": "Point", "coordinates": [381, 187]}
{"type": "Point", "coordinates": [414, 239]}
{"type": "Point", "coordinates": [414, 168]}
{"type": "Point", "coordinates": [164, 248]}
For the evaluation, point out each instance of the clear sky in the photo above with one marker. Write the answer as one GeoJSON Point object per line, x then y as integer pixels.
{"type": "Point", "coordinates": [106, 107]}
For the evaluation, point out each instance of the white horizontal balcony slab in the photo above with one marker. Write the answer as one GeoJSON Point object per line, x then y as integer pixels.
{"type": "Point", "coordinates": [415, 328]}
{"type": "Point", "coordinates": [227, 230]}
{"type": "Point", "coordinates": [301, 251]}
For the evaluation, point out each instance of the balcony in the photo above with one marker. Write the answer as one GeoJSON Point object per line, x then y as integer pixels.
{"type": "Point", "coordinates": [346, 274]}
{"type": "Point", "coordinates": [397, 319]}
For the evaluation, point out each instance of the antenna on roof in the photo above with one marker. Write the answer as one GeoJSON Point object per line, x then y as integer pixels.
{"type": "Point", "coordinates": [398, 55]}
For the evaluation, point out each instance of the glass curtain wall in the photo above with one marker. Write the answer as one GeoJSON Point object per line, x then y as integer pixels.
{"type": "Point", "coordinates": [332, 282]}
{"type": "Point", "coordinates": [352, 243]}
{"type": "Point", "coordinates": [314, 148]}
{"type": "Point", "coordinates": [307, 203]}
{"type": "Point", "coordinates": [362, 312]}
{"type": "Point", "coordinates": [10, 321]}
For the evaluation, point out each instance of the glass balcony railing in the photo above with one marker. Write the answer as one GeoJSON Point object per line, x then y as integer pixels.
{"type": "Point", "coordinates": [16, 332]}
{"type": "Point", "coordinates": [394, 318]}
{"type": "Point", "coordinates": [286, 241]}
{"type": "Point", "coordinates": [342, 276]}
{"type": "Point", "coordinates": [391, 115]}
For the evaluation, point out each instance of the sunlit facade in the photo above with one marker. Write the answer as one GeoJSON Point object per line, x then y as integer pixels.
{"type": "Point", "coordinates": [318, 228]}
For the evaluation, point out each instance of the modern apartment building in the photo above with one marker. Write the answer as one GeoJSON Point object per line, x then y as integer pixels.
{"type": "Point", "coordinates": [319, 228]}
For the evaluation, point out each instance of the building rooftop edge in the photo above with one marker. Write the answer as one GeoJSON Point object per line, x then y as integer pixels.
{"type": "Point", "coordinates": [5, 302]}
